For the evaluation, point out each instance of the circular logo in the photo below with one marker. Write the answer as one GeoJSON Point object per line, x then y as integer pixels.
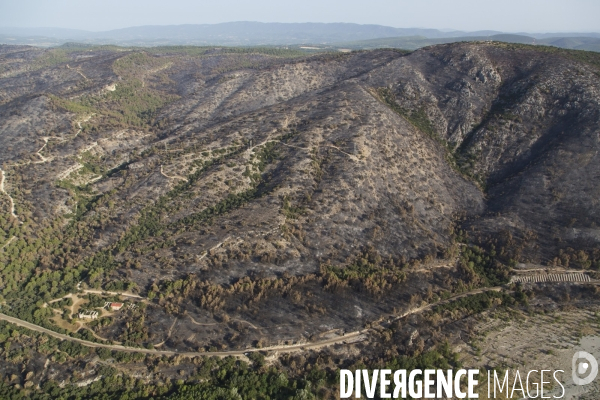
{"type": "Point", "coordinates": [584, 364]}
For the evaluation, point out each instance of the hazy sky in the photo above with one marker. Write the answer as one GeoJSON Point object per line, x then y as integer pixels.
{"type": "Point", "coordinates": [503, 15]}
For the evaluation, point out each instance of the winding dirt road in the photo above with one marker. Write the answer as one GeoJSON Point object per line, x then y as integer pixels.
{"type": "Point", "coordinates": [78, 71]}
{"type": "Point", "coordinates": [126, 294]}
{"type": "Point", "coordinates": [353, 157]}
{"type": "Point", "coordinates": [12, 202]}
{"type": "Point", "coordinates": [9, 241]}
{"type": "Point", "coordinates": [172, 177]}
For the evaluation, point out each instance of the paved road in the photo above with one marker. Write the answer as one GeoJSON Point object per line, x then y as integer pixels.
{"type": "Point", "coordinates": [281, 349]}
{"type": "Point", "coordinates": [347, 338]}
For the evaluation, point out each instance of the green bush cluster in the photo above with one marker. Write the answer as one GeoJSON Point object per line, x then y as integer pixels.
{"type": "Point", "coordinates": [368, 271]}
{"type": "Point", "coordinates": [213, 379]}
{"type": "Point", "coordinates": [480, 302]}
{"type": "Point", "coordinates": [485, 264]}
{"type": "Point", "coordinates": [441, 357]}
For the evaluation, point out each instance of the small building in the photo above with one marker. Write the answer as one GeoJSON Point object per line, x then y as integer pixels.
{"type": "Point", "coordinates": [88, 314]}
{"type": "Point", "coordinates": [116, 306]}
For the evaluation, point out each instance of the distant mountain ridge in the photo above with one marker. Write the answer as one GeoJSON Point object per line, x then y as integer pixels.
{"type": "Point", "coordinates": [416, 42]}
{"type": "Point", "coordinates": [257, 33]}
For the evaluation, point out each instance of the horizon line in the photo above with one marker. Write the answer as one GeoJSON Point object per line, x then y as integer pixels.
{"type": "Point", "coordinates": [444, 30]}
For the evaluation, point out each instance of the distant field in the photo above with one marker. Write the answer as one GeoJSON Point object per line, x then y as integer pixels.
{"type": "Point", "coordinates": [415, 42]}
